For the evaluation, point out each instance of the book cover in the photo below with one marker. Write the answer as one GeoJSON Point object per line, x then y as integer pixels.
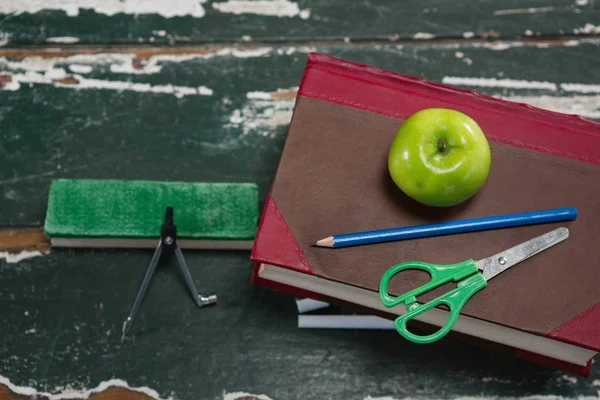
{"type": "Point", "coordinates": [332, 178]}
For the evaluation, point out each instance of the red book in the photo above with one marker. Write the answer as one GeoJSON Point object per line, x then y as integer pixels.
{"type": "Point", "coordinates": [332, 179]}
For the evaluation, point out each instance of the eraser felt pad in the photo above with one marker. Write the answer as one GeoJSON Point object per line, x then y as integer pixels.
{"type": "Point", "coordinates": [87, 208]}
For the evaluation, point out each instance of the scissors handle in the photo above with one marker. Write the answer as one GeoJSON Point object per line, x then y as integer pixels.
{"type": "Point", "coordinates": [454, 299]}
{"type": "Point", "coordinates": [440, 275]}
{"type": "Point", "coordinates": [471, 281]}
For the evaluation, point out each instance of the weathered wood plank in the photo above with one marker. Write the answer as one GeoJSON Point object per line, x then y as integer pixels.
{"type": "Point", "coordinates": [220, 114]}
{"type": "Point", "coordinates": [19, 239]}
{"type": "Point", "coordinates": [192, 21]}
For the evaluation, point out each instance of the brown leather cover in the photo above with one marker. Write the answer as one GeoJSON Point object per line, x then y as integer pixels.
{"type": "Point", "coordinates": [333, 179]}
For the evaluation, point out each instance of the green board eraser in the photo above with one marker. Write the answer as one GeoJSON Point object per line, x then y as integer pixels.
{"type": "Point", "coordinates": [130, 213]}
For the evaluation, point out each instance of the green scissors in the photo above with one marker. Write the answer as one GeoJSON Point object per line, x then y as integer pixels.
{"type": "Point", "coordinates": [469, 279]}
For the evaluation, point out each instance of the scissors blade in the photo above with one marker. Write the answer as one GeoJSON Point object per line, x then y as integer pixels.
{"type": "Point", "coordinates": [500, 262]}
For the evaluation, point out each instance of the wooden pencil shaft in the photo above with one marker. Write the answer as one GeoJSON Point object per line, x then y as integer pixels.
{"type": "Point", "coordinates": [446, 228]}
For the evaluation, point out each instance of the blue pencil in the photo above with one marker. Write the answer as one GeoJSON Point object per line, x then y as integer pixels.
{"type": "Point", "coordinates": [445, 228]}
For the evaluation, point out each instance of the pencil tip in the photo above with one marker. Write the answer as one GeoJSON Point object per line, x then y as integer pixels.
{"type": "Point", "coordinates": [327, 242]}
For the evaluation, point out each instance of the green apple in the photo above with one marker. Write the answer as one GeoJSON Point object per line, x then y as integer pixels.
{"type": "Point", "coordinates": [439, 157]}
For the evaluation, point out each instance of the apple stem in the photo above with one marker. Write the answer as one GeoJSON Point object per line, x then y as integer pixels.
{"type": "Point", "coordinates": [441, 146]}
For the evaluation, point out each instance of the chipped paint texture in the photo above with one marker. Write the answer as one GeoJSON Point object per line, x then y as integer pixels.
{"type": "Point", "coordinates": [4, 38]}
{"type": "Point", "coordinates": [580, 88]}
{"type": "Point", "coordinates": [178, 91]}
{"type": "Point", "coordinates": [530, 10]}
{"type": "Point", "coordinates": [498, 46]}
{"type": "Point", "coordinates": [75, 394]}
{"type": "Point", "coordinates": [50, 70]}
{"type": "Point", "coordinates": [172, 8]}
{"type": "Point", "coordinates": [507, 45]}
{"type": "Point", "coordinates": [264, 112]}
{"type": "Point", "coordinates": [77, 81]}
{"type": "Point", "coordinates": [291, 50]}
{"type": "Point", "coordinates": [568, 378]}
{"type": "Point", "coordinates": [379, 398]}
{"type": "Point", "coordinates": [244, 396]}
{"type": "Point", "coordinates": [585, 106]}
{"type": "Point", "coordinates": [13, 258]}
{"type": "Point", "coordinates": [277, 8]}
{"type": "Point", "coordinates": [587, 29]}
{"type": "Point", "coordinates": [423, 36]}
{"type": "Point", "coordinates": [81, 69]}
{"type": "Point", "coordinates": [63, 39]}
{"type": "Point", "coordinates": [128, 62]}
{"type": "Point", "coordinates": [47, 70]}
{"type": "Point", "coordinates": [499, 83]}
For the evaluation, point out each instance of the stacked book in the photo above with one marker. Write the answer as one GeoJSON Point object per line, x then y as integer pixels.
{"type": "Point", "coordinates": [333, 178]}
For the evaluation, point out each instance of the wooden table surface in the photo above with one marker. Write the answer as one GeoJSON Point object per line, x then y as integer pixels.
{"type": "Point", "coordinates": [201, 90]}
